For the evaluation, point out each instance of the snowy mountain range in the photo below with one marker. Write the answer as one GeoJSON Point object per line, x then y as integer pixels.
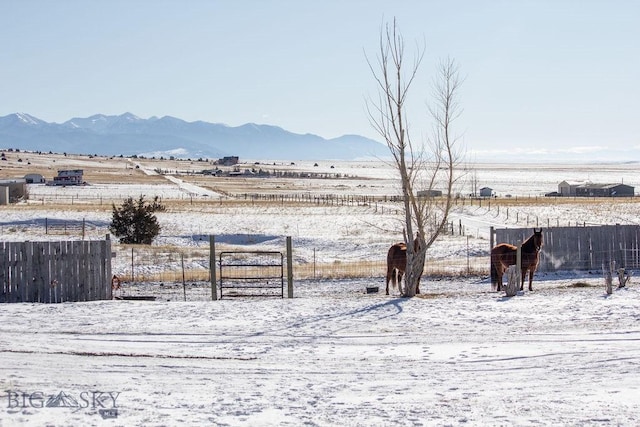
{"type": "Point", "coordinates": [128, 135]}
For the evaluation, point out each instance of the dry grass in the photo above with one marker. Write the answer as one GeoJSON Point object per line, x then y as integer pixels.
{"type": "Point", "coordinates": [165, 264]}
{"type": "Point", "coordinates": [507, 202]}
{"type": "Point", "coordinates": [96, 169]}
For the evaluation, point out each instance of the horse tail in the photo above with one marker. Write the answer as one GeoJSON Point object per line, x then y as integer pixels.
{"type": "Point", "coordinates": [494, 272]}
{"type": "Point", "coordinates": [394, 278]}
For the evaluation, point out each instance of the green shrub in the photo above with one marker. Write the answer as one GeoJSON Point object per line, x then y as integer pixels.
{"type": "Point", "coordinates": [135, 222]}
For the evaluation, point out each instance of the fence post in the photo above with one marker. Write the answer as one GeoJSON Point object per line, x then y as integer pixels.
{"type": "Point", "coordinates": [132, 267]}
{"type": "Point", "coordinates": [468, 259]}
{"type": "Point", "coordinates": [608, 277]}
{"type": "Point", "coordinates": [212, 266]}
{"type": "Point", "coordinates": [519, 283]}
{"type": "Point", "coordinates": [491, 238]}
{"type": "Point", "coordinates": [106, 259]}
{"type": "Point", "coordinates": [289, 269]}
{"type": "Point", "coordinates": [184, 284]}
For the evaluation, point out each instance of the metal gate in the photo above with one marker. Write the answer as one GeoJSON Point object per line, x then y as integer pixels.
{"type": "Point", "coordinates": [251, 273]}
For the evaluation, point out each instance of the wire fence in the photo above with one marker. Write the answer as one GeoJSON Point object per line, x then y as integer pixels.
{"type": "Point", "coordinates": [191, 263]}
{"type": "Point", "coordinates": [188, 266]}
{"type": "Point", "coordinates": [177, 264]}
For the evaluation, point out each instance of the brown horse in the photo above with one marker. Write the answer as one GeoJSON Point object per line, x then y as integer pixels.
{"type": "Point", "coordinates": [397, 264]}
{"type": "Point", "coordinates": [504, 255]}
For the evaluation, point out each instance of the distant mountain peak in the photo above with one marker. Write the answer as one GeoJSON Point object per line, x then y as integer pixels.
{"type": "Point", "coordinates": [28, 119]}
{"type": "Point", "coordinates": [130, 116]}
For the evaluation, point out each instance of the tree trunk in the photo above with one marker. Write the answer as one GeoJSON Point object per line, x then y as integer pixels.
{"type": "Point", "coordinates": [513, 281]}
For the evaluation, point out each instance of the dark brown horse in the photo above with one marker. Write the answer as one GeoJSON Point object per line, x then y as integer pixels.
{"type": "Point", "coordinates": [397, 264]}
{"type": "Point", "coordinates": [504, 255]}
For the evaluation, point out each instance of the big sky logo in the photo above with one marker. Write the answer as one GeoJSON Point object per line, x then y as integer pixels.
{"type": "Point", "coordinates": [104, 401]}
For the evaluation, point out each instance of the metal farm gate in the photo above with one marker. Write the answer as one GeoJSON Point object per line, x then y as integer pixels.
{"type": "Point", "coordinates": [55, 271]}
{"type": "Point", "coordinates": [580, 248]}
{"type": "Point", "coordinates": [251, 273]}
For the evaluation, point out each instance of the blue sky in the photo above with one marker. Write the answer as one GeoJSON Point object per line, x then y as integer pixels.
{"type": "Point", "coordinates": [544, 79]}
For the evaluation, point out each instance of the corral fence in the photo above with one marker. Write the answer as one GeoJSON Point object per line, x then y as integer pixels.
{"type": "Point", "coordinates": [168, 266]}
{"type": "Point", "coordinates": [230, 272]}
{"type": "Point", "coordinates": [580, 248]}
{"type": "Point", "coordinates": [52, 272]}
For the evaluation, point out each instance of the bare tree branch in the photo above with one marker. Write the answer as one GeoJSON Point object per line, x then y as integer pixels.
{"type": "Point", "coordinates": [425, 216]}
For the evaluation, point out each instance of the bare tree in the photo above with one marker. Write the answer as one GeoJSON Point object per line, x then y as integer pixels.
{"type": "Point", "coordinates": [421, 167]}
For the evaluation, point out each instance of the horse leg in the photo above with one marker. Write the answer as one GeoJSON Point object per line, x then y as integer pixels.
{"type": "Point", "coordinates": [531, 280]}
{"type": "Point", "coordinates": [395, 276]}
{"type": "Point", "coordinates": [494, 272]}
{"type": "Point", "coordinates": [389, 273]}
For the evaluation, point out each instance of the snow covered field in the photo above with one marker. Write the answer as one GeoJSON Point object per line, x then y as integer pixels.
{"type": "Point", "coordinates": [333, 355]}
{"type": "Point", "coordinates": [565, 354]}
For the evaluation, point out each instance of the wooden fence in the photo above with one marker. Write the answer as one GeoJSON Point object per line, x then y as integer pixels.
{"type": "Point", "coordinates": [580, 248]}
{"type": "Point", "coordinates": [55, 271]}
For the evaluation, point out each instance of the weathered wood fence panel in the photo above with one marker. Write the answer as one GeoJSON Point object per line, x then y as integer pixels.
{"type": "Point", "coordinates": [55, 271]}
{"type": "Point", "coordinates": [581, 248]}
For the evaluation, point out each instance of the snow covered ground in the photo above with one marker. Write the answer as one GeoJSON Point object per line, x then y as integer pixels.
{"type": "Point", "coordinates": [565, 354]}
{"type": "Point", "coordinates": [333, 355]}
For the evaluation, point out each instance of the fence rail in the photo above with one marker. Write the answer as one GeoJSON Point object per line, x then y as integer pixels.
{"type": "Point", "coordinates": [163, 264]}
{"type": "Point", "coordinates": [565, 249]}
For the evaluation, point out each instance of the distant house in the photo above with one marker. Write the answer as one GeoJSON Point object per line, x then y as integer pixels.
{"type": "Point", "coordinates": [590, 189]}
{"type": "Point", "coordinates": [246, 172]}
{"type": "Point", "coordinates": [486, 192]}
{"type": "Point", "coordinates": [605, 190]}
{"type": "Point", "coordinates": [34, 178]}
{"type": "Point", "coordinates": [429, 193]}
{"type": "Point", "coordinates": [568, 188]}
{"type": "Point", "coordinates": [12, 190]}
{"type": "Point", "coordinates": [68, 177]}
{"type": "Point", "coordinates": [228, 161]}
